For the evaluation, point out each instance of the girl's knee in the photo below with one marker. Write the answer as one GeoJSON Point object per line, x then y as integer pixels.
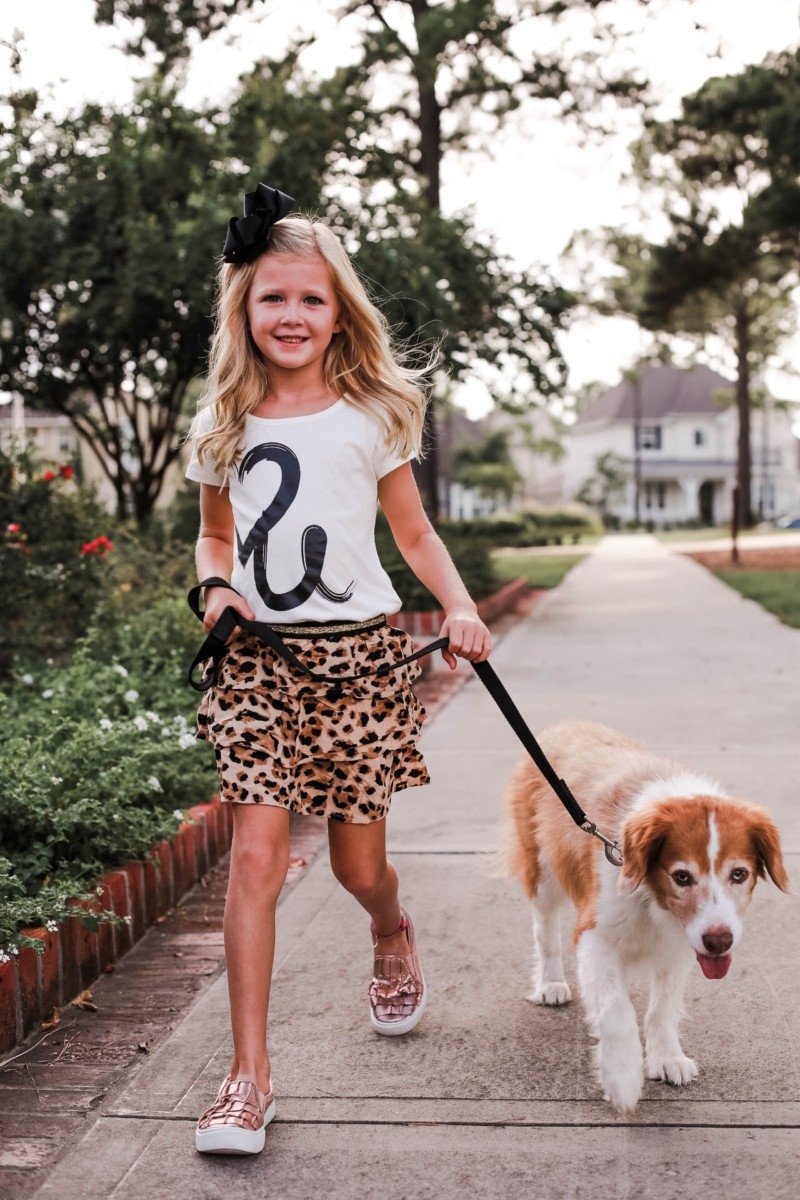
{"type": "Point", "coordinates": [260, 866]}
{"type": "Point", "coordinates": [361, 878]}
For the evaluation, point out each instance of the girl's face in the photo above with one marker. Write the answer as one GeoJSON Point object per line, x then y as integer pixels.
{"type": "Point", "coordinates": [293, 313]}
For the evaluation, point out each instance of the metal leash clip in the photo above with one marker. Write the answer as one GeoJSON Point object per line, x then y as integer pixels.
{"type": "Point", "coordinates": [612, 850]}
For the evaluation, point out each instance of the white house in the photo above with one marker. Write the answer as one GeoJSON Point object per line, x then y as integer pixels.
{"type": "Point", "coordinates": [684, 453]}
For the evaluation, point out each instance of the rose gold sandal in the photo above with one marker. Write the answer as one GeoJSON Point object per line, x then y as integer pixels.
{"type": "Point", "coordinates": [397, 993]}
{"type": "Point", "coordinates": [236, 1121]}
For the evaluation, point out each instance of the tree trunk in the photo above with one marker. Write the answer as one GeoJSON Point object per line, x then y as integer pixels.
{"type": "Point", "coordinates": [427, 472]}
{"type": "Point", "coordinates": [430, 156]}
{"type": "Point", "coordinates": [426, 66]}
{"type": "Point", "coordinates": [743, 456]}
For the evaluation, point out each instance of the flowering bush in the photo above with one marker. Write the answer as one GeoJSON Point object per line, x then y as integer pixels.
{"type": "Point", "coordinates": [51, 581]}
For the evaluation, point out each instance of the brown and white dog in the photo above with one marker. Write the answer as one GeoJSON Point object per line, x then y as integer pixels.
{"type": "Point", "coordinates": [691, 858]}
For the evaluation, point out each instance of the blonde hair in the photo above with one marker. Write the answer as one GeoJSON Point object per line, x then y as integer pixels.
{"type": "Point", "coordinates": [361, 364]}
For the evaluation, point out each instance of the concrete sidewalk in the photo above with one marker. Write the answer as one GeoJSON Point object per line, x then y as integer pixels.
{"type": "Point", "coordinates": [491, 1096]}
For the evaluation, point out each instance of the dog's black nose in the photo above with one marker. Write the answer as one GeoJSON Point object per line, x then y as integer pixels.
{"type": "Point", "coordinates": [718, 941]}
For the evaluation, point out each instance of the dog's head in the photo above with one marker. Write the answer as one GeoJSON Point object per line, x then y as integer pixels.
{"type": "Point", "coordinates": [700, 858]}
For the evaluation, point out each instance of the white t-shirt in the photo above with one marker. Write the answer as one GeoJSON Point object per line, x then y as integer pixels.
{"type": "Point", "coordinates": [304, 496]}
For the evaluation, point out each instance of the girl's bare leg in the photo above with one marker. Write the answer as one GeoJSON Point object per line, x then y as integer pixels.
{"type": "Point", "coordinates": [359, 862]}
{"type": "Point", "coordinates": [259, 862]}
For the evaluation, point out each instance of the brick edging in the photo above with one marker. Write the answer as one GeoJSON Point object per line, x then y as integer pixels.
{"type": "Point", "coordinates": [425, 625]}
{"type": "Point", "coordinates": [32, 984]}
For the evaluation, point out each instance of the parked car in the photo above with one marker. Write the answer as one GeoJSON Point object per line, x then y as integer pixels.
{"type": "Point", "coordinates": [791, 522]}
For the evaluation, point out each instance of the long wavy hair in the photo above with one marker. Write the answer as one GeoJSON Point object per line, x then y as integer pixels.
{"type": "Point", "coordinates": [362, 364]}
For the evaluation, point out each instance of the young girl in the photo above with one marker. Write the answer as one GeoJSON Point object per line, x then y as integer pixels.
{"type": "Point", "coordinates": [309, 420]}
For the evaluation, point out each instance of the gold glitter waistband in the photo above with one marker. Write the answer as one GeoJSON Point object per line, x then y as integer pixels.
{"type": "Point", "coordinates": [326, 628]}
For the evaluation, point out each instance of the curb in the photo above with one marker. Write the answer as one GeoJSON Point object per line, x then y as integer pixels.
{"type": "Point", "coordinates": [424, 626]}
{"type": "Point", "coordinates": [32, 984]}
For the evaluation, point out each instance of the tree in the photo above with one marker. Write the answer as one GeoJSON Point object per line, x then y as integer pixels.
{"type": "Point", "coordinates": [167, 27]}
{"type": "Point", "coordinates": [455, 66]}
{"type": "Point", "coordinates": [488, 467]}
{"type": "Point", "coordinates": [731, 273]}
{"type": "Point", "coordinates": [603, 486]}
{"type": "Point", "coordinates": [107, 230]}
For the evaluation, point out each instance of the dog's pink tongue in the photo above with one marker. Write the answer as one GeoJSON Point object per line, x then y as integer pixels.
{"type": "Point", "coordinates": [714, 966]}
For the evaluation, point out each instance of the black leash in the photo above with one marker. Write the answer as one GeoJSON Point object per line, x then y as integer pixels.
{"type": "Point", "coordinates": [214, 648]}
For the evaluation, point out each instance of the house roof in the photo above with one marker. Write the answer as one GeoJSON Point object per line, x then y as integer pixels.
{"type": "Point", "coordinates": [665, 391]}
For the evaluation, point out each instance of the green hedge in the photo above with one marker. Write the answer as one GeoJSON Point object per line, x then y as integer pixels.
{"type": "Point", "coordinates": [471, 556]}
{"type": "Point", "coordinates": [527, 527]}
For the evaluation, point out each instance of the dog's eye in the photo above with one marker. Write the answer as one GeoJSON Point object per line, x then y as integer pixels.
{"type": "Point", "coordinates": [739, 874]}
{"type": "Point", "coordinates": [682, 878]}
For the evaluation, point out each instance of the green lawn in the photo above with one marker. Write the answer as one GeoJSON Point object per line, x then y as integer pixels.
{"type": "Point", "coordinates": [777, 591]}
{"type": "Point", "coordinates": [540, 570]}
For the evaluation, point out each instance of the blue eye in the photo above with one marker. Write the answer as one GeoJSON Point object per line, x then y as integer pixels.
{"type": "Point", "coordinates": [313, 300]}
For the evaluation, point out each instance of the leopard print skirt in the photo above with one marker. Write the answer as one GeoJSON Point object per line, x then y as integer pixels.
{"type": "Point", "coordinates": [338, 751]}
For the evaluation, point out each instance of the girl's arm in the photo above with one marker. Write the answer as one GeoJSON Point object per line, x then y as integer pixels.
{"type": "Point", "coordinates": [426, 554]}
{"type": "Point", "coordinates": [214, 554]}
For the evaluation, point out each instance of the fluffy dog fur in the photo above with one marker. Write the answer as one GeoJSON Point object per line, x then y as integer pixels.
{"type": "Point", "coordinates": [691, 858]}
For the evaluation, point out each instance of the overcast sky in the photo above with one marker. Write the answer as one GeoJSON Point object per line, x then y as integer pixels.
{"type": "Point", "coordinates": [550, 184]}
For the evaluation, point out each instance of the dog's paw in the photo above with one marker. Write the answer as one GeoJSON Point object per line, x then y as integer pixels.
{"type": "Point", "coordinates": [623, 1086]}
{"type": "Point", "coordinates": [550, 993]}
{"type": "Point", "coordinates": [677, 1070]}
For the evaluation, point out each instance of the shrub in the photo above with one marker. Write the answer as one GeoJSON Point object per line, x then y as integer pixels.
{"type": "Point", "coordinates": [527, 527]}
{"type": "Point", "coordinates": [98, 760]}
{"type": "Point", "coordinates": [470, 555]}
{"type": "Point", "coordinates": [56, 542]}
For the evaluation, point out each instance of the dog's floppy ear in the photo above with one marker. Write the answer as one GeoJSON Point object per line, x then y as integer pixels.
{"type": "Point", "coordinates": [643, 834]}
{"type": "Point", "coordinates": [767, 847]}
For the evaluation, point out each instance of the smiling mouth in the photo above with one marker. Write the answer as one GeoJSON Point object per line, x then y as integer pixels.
{"type": "Point", "coordinates": [291, 341]}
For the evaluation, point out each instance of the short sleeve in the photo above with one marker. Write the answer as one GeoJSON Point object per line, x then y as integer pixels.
{"type": "Point", "coordinates": [205, 471]}
{"type": "Point", "coordinates": [384, 457]}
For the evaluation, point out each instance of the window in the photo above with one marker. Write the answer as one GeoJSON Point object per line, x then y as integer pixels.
{"type": "Point", "coordinates": [699, 437]}
{"type": "Point", "coordinates": [648, 437]}
{"type": "Point", "coordinates": [655, 495]}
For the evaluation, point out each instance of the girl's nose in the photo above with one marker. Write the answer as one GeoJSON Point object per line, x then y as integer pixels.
{"type": "Point", "coordinates": [292, 312]}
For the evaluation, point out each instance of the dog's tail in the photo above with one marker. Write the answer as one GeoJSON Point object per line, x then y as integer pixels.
{"type": "Point", "coordinates": [521, 856]}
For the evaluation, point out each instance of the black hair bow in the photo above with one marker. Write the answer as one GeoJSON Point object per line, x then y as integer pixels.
{"type": "Point", "coordinates": [248, 236]}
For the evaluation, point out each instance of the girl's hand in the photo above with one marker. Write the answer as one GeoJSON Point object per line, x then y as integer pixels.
{"type": "Point", "coordinates": [217, 599]}
{"type": "Point", "coordinates": [469, 637]}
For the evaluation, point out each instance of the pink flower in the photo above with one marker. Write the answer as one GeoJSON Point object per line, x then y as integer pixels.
{"type": "Point", "coordinates": [48, 476]}
{"type": "Point", "coordinates": [66, 471]}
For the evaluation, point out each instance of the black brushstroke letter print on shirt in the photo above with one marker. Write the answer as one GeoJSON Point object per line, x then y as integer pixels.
{"type": "Point", "coordinates": [314, 540]}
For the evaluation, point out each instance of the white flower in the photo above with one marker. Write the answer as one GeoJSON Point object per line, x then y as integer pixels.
{"type": "Point", "coordinates": [56, 780]}
{"type": "Point", "coordinates": [177, 814]}
{"type": "Point", "coordinates": [154, 784]}
{"type": "Point", "coordinates": [51, 926]}
{"type": "Point", "coordinates": [154, 717]}
{"type": "Point", "coordinates": [4, 958]}
{"type": "Point", "coordinates": [166, 732]}
{"type": "Point", "coordinates": [47, 693]}
{"type": "Point", "coordinates": [186, 740]}
{"type": "Point", "coordinates": [27, 679]}
{"type": "Point", "coordinates": [14, 950]}
{"type": "Point", "coordinates": [105, 723]}
{"type": "Point", "coordinates": [140, 723]}
{"type": "Point", "coordinates": [127, 920]}
{"type": "Point", "coordinates": [131, 695]}
{"type": "Point", "coordinates": [120, 670]}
